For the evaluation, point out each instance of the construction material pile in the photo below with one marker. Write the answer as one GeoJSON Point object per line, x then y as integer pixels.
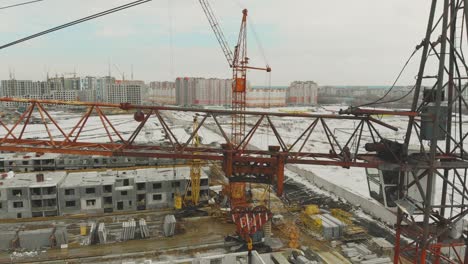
{"type": "Point", "coordinates": [144, 230]}
{"type": "Point", "coordinates": [128, 230]}
{"type": "Point", "coordinates": [361, 254]}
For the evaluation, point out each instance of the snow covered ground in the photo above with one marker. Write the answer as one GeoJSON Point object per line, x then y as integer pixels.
{"type": "Point", "coordinates": [290, 129]}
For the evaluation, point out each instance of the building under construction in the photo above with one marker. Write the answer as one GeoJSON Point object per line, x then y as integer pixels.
{"type": "Point", "coordinates": [260, 196]}
{"type": "Point", "coordinates": [58, 193]}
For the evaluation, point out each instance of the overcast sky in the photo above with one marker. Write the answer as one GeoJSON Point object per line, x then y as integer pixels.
{"type": "Point", "coordinates": [342, 42]}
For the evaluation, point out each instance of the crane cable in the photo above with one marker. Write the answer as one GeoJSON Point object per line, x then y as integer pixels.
{"type": "Point", "coordinates": [20, 4]}
{"type": "Point", "coordinates": [100, 14]}
{"type": "Point", "coordinates": [397, 99]}
{"type": "Point", "coordinates": [396, 80]}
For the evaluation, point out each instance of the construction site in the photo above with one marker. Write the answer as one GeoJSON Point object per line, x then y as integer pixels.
{"type": "Point", "coordinates": [126, 183]}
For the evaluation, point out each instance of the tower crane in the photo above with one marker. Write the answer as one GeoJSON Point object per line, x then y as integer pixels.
{"type": "Point", "coordinates": [192, 193]}
{"type": "Point", "coordinates": [238, 61]}
{"type": "Point", "coordinates": [429, 222]}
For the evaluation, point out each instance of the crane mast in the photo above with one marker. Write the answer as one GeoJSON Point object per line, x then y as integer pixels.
{"type": "Point", "coordinates": [238, 61]}
{"type": "Point", "coordinates": [192, 193]}
{"type": "Point", "coordinates": [239, 85]}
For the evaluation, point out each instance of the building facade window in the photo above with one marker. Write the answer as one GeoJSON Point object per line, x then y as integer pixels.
{"type": "Point", "coordinates": [69, 191]}
{"type": "Point", "coordinates": [91, 202]}
{"type": "Point", "coordinates": [17, 192]}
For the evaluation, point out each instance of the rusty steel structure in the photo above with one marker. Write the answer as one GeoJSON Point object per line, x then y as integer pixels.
{"type": "Point", "coordinates": [434, 148]}
{"type": "Point", "coordinates": [434, 225]}
{"type": "Point", "coordinates": [436, 231]}
{"type": "Point", "coordinates": [239, 161]}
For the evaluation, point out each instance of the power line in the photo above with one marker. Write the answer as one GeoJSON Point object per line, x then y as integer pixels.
{"type": "Point", "coordinates": [20, 4]}
{"type": "Point", "coordinates": [107, 12]}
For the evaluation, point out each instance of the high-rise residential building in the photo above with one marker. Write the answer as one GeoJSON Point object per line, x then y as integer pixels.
{"type": "Point", "coordinates": [26, 89]}
{"type": "Point", "coordinates": [161, 93]}
{"type": "Point", "coordinates": [88, 83]}
{"type": "Point", "coordinates": [72, 83]}
{"type": "Point", "coordinates": [89, 88]}
{"type": "Point", "coordinates": [64, 95]}
{"type": "Point", "coordinates": [201, 91]}
{"type": "Point", "coordinates": [101, 87]}
{"type": "Point", "coordinates": [160, 85]}
{"type": "Point", "coordinates": [302, 93]}
{"type": "Point", "coordinates": [21, 88]}
{"type": "Point", "coordinates": [124, 92]}
{"type": "Point", "coordinates": [266, 97]}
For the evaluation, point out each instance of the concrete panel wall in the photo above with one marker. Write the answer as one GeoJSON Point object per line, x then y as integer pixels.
{"type": "Point", "coordinates": [36, 239]}
{"type": "Point", "coordinates": [368, 205]}
{"type": "Point", "coordinates": [97, 191]}
{"type": "Point", "coordinates": [87, 207]}
{"type": "Point", "coordinates": [6, 238]}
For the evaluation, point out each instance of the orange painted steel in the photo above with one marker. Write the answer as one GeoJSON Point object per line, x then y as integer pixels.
{"type": "Point", "coordinates": [265, 165]}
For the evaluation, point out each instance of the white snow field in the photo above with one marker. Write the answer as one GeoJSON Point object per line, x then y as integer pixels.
{"type": "Point", "coordinates": [290, 129]}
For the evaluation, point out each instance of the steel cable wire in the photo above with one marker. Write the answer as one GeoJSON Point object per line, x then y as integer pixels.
{"type": "Point", "coordinates": [100, 14]}
{"type": "Point", "coordinates": [20, 4]}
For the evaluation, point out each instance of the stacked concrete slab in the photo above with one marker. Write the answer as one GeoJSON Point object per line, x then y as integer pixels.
{"type": "Point", "coordinates": [169, 225]}
{"type": "Point", "coordinates": [91, 238]}
{"type": "Point", "coordinates": [332, 228]}
{"type": "Point", "coordinates": [360, 254]}
{"type": "Point", "coordinates": [144, 230]}
{"type": "Point", "coordinates": [128, 230]}
{"type": "Point", "coordinates": [102, 233]}
{"type": "Point", "coordinates": [382, 246]}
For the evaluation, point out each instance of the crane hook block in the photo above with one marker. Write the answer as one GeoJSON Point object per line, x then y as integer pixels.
{"type": "Point", "coordinates": [139, 116]}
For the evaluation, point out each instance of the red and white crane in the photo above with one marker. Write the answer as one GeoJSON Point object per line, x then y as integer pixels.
{"type": "Point", "coordinates": [238, 61]}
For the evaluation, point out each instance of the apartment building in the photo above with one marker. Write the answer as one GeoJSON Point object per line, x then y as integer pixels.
{"type": "Point", "coordinates": [266, 97]}
{"type": "Point", "coordinates": [302, 93]}
{"type": "Point", "coordinates": [26, 89]}
{"type": "Point", "coordinates": [29, 162]}
{"type": "Point", "coordinates": [101, 87]}
{"type": "Point", "coordinates": [29, 195]}
{"type": "Point", "coordinates": [67, 83]}
{"type": "Point", "coordinates": [93, 192]}
{"type": "Point", "coordinates": [124, 92]}
{"type": "Point", "coordinates": [88, 83]}
{"type": "Point", "coordinates": [162, 93]}
{"type": "Point", "coordinates": [200, 91]}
